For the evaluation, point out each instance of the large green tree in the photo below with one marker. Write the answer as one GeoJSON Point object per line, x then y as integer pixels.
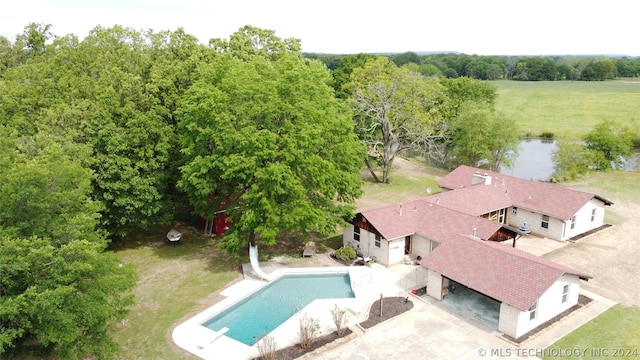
{"type": "Point", "coordinates": [59, 289]}
{"type": "Point", "coordinates": [395, 111]}
{"type": "Point", "coordinates": [61, 298]}
{"type": "Point", "coordinates": [263, 132]}
{"type": "Point", "coordinates": [47, 193]}
{"type": "Point", "coordinates": [479, 135]}
{"type": "Point", "coordinates": [115, 92]}
{"type": "Point", "coordinates": [612, 140]}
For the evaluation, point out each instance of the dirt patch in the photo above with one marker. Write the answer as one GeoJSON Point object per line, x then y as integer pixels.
{"type": "Point", "coordinates": [391, 307]}
{"type": "Point", "coordinates": [611, 256]}
{"type": "Point", "coordinates": [294, 352]}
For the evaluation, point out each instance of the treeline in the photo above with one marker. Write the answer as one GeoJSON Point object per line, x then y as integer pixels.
{"type": "Point", "coordinates": [523, 68]}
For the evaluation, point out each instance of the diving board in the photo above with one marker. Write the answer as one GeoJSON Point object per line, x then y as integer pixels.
{"type": "Point", "coordinates": [253, 256]}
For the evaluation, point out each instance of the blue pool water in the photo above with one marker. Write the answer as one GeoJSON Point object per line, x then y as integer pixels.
{"type": "Point", "coordinates": [272, 305]}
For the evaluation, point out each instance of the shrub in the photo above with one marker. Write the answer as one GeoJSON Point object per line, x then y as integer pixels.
{"type": "Point", "coordinates": [309, 329]}
{"type": "Point", "coordinates": [267, 347]}
{"type": "Point", "coordinates": [345, 253]}
{"type": "Point", "coordinates": [547, 135]}
{"type": "Point", "coordinates": [339, 318]}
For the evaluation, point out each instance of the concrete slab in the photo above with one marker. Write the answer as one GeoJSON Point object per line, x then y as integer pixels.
{"type": "Point", "coordinates": [536, 245]}
{"type": "Point", "coordinates": [432, 330]}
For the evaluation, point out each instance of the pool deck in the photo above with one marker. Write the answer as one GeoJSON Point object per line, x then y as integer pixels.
{"type": "Point", "coordinates": [368, 284]}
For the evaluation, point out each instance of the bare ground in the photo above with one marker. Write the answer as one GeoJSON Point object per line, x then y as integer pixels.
{"type": "Point", "coordinates": [611, 256]}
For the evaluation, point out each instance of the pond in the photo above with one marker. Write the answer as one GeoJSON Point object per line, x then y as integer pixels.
{"type": "Point", "coordinates": [534, 162]}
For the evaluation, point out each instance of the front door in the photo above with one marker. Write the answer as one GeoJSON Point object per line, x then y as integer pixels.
{"type": "Point", "coordinates": [407, 245]}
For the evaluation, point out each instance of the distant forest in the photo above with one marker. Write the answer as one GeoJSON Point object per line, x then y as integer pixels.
{"type": "Point", "coordinates": [523, 68]}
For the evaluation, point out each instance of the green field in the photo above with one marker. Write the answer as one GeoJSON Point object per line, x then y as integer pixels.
{"type": "Point", "coordinates": [568, 109]}
{"type": "Point", "coordinates": [614, 334]}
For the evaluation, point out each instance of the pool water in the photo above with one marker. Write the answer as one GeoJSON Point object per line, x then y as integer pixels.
{"type": "Point", "coordinates": [269, 307]}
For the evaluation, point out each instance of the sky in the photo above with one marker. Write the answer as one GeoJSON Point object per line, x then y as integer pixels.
{"type": "Point", "coordinates": [482, 27]}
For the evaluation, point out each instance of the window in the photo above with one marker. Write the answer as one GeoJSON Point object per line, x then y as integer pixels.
{"type": "Point", "coordinates": [533, 310]}
{"type": "Point", "coordinates": [514, 210]}
{"type": "Point", "coordinates": [593, 215]}
{"type": "Point", "coordinates": [501, 214]}
{"type": "Point", "coordinates": [377, 242]}
{"type": "Point", "coordinates": [573, 222]}
{"type": "Point", "coordinates": [356, 233]}
{"type": "Point", "coordinates": [565, 293]}
{"type": "Point", "coordinates": [545, 221]}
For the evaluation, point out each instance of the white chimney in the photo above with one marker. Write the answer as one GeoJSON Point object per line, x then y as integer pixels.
{"type": "Point", "coordinates": [478, 178]}
{"type": "Point", "coordinates": [400, 209]}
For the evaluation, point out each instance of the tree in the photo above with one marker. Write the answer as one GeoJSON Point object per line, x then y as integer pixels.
{"type": "Point", "coordinates": [45, 193]}
{"type": "Point", "coordinates": [62, 297]}
{"type": "Point", "coordinates": [405, 58]}
{"type": "Point", "coordinates": [613, 140]}
{"type": "Point", "coordinates": [599, 69]}
{"type": "Point", "coordinates": [479, 135]}
{"type": "Point", "coordinates": [266, 136]}
{"type": "Point", "coordinates": [59, 289]}
{"type": "Point", "coordinates": [460, 91]}
{"type": "Point", "coordinates": [115, 92]}
{"type": "Point", "coordinates": [342, 75]}
{"type": "Point", "coordinates": [572, 159]}
{"type": "Point", "coordinates": [395, 111]}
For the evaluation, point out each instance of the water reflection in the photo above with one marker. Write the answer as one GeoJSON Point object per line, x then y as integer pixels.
{"type": "Point", "coordinates": [534, 162]}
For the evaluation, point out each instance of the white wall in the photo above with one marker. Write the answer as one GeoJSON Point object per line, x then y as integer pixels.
{"type": "Point", "coordinates": [420, 245]}
{"type": "Point", "coordinates": [434, 284]}
{"type": "Point", "coordinates": [396, 251]}
{"type": "Point", "coordinates": [534, 220]}
{"type": "Point", "coordinates": [516, 323]}
{"type": "Point", "coordinates": [560, 229]}
{"type": "Point", "coordinates": [583, 219]}
{"type": "Point", "coordinates": [389, 253]}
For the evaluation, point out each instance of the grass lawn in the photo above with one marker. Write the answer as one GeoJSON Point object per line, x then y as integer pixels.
{"type": "Point", "coordinates": [568, 109]}
{"type": "Point", "coordinates": [176, 282]}
{"type": "Point", "coordinates": [614, 331]}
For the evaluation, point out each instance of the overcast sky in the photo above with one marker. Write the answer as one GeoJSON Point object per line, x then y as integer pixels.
{"type": "Point", "coordinates": [483, 27]}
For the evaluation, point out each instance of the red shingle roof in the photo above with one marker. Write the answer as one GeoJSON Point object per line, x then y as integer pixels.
{"type": "Point", "coordinates": [543, 198]}
{"type": "Point", "coordinates": [504, 273]}
{"type": "Point", "coordinates": [427, 219]}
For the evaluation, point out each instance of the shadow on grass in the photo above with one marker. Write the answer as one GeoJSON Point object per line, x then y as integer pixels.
{"type": "Point", "coordinates": [194, 245]}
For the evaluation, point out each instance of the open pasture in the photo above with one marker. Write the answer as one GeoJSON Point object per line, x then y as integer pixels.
{"type": "Point", "coordinates": [568, 109]}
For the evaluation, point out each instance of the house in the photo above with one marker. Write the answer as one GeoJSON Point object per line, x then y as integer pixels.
{"type": "Point", "coordinates": [455, 235]}
{"type": "Point", "coordinates": [531, 290]}
{"type": "Point", "coordinates": [416, 227]}
{"type": "Point", "coordinates": [549, 210]}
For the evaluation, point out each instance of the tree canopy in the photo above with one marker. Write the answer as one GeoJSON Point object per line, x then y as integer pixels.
{"type": "Point", "coordinates": [395, 111]}
{"type": "Point", "coordinates": [613, 141]}
{"type": "Point", "coordinates": [264, 133]}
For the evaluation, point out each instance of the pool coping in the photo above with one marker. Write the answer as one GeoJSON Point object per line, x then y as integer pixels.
{"type": "Point", "coordinates": [209, 344]}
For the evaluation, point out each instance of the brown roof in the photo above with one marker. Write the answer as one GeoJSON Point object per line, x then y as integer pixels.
{"type": "Point", "coordinates": [504, 273]}
{"type": "Point", "coordinates": [544, 198]}
{"type": "Point", "coordinates": [427, 219]}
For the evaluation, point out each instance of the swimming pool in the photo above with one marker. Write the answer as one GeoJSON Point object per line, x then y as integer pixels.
{"type": "Point", "coordinates": [270, 306]}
